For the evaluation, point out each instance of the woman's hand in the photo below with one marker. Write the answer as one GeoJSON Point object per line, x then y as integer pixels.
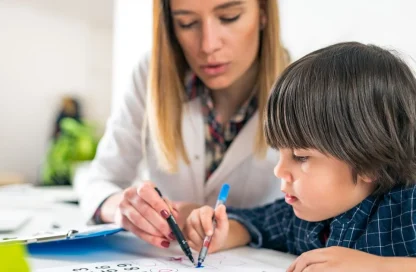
{"type": "Point", "coordinates": [199, 224]}
{"type": "Point", "coordinates": [143, 212]}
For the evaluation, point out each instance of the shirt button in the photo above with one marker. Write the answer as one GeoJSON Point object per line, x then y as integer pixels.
{"type": "Point", "coordinates": [196, 157]}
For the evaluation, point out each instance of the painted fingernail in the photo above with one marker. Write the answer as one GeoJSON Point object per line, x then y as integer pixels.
{"type": "Point", "coordinates": [171, 236]}
{"type": "Point", "coordinates": [164, 214]}
{"type": "Point", "coordinates": [165, 244]}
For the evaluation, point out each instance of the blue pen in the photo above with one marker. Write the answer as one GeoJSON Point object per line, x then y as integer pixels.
{"type": "Point", "coordinates": [222, 198]}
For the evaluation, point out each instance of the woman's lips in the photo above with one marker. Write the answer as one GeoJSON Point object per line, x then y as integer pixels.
{"type": "Point", "coordinates": [214, 69]}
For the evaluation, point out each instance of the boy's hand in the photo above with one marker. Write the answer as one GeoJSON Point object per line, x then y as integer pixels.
{"type": "Point", "coordinates": [199, 224]}
{"type": "Point", "coordinates": [184, 210]}
{"type": "Point", "coordinates": [338, 259]}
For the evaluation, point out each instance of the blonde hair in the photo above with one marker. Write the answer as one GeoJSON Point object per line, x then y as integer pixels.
{"type": "Point", "coordinates": [166, 95]}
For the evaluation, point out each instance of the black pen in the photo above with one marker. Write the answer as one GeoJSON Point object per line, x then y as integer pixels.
{"type": "Point", "coordinates": [178, 233]}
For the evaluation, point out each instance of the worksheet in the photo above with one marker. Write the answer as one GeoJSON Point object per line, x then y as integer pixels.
{"type": "Point", "coordinates": [214, 262]}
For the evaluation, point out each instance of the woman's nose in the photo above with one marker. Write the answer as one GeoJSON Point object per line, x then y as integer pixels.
{"type": "Point", "coordinates": [210, 38]}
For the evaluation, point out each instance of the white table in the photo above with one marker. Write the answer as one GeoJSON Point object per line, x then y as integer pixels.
{"type": "Point", "coordinates": [123, 247]}
{"type": "Point", "coordinates": [47, 212]}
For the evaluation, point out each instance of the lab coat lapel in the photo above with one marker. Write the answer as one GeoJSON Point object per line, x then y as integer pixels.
{"type": "Point", "coordinates": [194, 141]}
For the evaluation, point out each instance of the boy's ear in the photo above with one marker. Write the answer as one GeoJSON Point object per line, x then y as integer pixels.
{"type": "Point", "coordinates": [367, 178]}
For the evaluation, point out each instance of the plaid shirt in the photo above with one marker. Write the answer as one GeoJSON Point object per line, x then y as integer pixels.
{"type": "Point", "coordinates": [218, 137]}
{"type": "Point", "coordinates": [383, 225]}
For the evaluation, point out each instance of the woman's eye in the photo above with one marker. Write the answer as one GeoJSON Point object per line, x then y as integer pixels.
{"type": "Point", "coordinates": [230, 19]}
{"type": "Point", "coordinates": [185, 26]}
{"type": "Point", "coordinates": [300, 158]}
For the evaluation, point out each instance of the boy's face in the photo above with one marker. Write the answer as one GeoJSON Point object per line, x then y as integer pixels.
{"type": "Point", "coordinates": [318, 186]}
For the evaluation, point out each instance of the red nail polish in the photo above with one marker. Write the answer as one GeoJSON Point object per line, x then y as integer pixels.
{"type": "Point", "coordinates": [165, 214]}
{"type": "Point", "coordinates": [165, 244]}
{"type": "Point", "coordinates": [171, 236]}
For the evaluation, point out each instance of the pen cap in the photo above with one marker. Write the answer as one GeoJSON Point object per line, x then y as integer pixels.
{"type": "Point", "coordinates": [224, 193]}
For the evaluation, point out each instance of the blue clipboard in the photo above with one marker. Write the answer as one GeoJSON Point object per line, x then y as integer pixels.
{"type": "Point", "coordinates": [104, 230]}
{"type": "Point", "coordinates": [53, 236]}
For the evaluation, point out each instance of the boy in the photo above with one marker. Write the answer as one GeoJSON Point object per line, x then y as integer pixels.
{"type": "Point", "coordinates": [344, 121]}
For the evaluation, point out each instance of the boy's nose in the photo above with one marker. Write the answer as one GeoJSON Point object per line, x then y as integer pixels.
{"type": "Point", "coordinates": [281, 171]}
{"type": "Point", "coordinates": [284, 186]}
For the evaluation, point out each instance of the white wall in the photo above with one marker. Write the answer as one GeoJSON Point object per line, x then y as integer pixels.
{"type": "Point", "coordinates": [310, 25]}
{"type": "Point", "coordinates": [44, 54]}
{"type": "Point", "coordinates": [306, 26]}
{"type": "Point", "coordinates": [132, 39]}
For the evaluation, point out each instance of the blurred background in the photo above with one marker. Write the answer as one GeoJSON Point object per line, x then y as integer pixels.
{"type": "Point", "coordinates": [64, 64]}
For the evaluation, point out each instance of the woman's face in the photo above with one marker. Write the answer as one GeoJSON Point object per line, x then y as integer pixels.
{"type": "Point", "coordinates": [219, 38]}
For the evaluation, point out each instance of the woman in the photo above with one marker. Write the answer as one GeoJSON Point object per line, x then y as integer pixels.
{"type": "Point", "coordinates": [193, 113]}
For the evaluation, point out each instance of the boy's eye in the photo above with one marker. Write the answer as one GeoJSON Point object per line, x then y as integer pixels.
{"type": "Point", "coordinates": [300, 158]}
{"type": "Point", "coordinates": [226, 19]}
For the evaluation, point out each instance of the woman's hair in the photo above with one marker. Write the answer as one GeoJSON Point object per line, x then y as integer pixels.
{"type": "Point", "coordinates": [166, 96]}
{"type": "Point", "coordinates": [354, 102]}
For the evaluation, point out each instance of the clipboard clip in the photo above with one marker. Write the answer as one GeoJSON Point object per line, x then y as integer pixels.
{"type": "Point", "coordinates": [50, 236]}
{"type": "Point", "coordinates": [39, 237]}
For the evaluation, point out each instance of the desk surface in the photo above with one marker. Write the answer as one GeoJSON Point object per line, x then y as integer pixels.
{"type": "Point", "coordinates": [123, 246]}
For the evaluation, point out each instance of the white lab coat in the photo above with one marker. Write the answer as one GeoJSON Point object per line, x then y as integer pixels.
{"type": "Point", "coordinates": [120, 150]}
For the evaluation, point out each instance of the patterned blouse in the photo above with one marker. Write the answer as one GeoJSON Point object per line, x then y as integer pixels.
{"type": "Point", "coordinates": [218, 137]}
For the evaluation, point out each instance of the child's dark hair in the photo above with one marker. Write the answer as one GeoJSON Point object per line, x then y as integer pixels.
{"type": "Point", "coordinates": [354, 102]}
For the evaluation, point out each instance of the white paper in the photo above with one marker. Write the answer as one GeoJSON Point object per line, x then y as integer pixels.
{"type": "Point", "coordinates": [214, 262]}
{"type": "Point", "coordinates": [11, 220]}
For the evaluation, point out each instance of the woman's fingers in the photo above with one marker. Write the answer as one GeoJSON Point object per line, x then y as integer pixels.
{"type": "Point", "coordinates": [148, 193]}
{"type": "Point", "coordinates": [137, 219]}
{"type": "Point", "coordinates": [160, 242]}
{"type": "Point", "coordinates": [144, 216]}
{"type": "Point", "coordinates": [173, 207]}
{"type": "Point", "coordinates": [156, 220]}
{"type": "Point", "coordinates": [152, 207]}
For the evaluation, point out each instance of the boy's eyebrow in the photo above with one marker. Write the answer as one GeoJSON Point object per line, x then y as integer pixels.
{"type": "Point", "coordinates": [219, 7]}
